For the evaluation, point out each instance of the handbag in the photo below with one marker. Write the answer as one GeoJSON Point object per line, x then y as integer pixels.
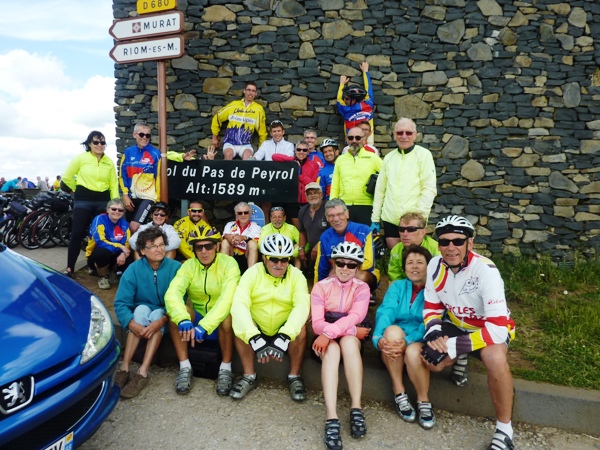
{"type": "Point", "coordinates": [372, 183]}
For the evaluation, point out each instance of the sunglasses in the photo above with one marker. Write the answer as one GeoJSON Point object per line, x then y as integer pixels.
{"type": "Point", "coordinates": [159, 214]}
{"type": "Point", "coordinates": [196, 210]}
{"type": "Point", "coordinates": [278, 260]}
{"type": "Point", "coordinates": [402, 133]}
{"type": "Point", "coordinates": [277, 208]}
{"type": "Point", "coordinates": [351, 266]}
{"type": "Point", "coordinates": [303, 150]}
{"type": "Point", "coordinates": [242, 213]}
{"type": "Point", "coordinates": [458, 242]}
{"type": "Point", "coordinates": [355, 138]}
{"type": "Point", "coordinates": [98, 142]}
{"type": "Point", "coordinates": [409, 229]}
{"type": "Point", "coordinates": [277, 122]}
{"type": "Point", "coordinates": [117, 209]}
{"type": "Point", "coordinates": [145, 135]}
{"type": "Point", "coordinates": [208, 247]}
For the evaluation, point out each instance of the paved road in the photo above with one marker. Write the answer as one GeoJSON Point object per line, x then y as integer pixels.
{"type": "Point", "coordinates": [268, 419]}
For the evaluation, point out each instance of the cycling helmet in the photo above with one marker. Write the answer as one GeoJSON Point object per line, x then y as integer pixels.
{"type": "Point", "coordinates": [329, 143]}
{"type": "Point", "coordinates": [277, 245]}
{"type": "Point", "coordinates": [203, 233]}
{"type": "Point", "coordinates": [160, 205]}
{"type": "Point", "coordinates": [380, 246]}
{"type": "Point", "coordinates": [348, 250]}
{"type": "Point", "coordinates": [454, 224]}
{"type": "Point", "coordinates": [354, 92]}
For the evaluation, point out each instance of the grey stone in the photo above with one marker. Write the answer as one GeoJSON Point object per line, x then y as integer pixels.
{"type": "Point", "coordinates": [566, 41]}
{"type": "Point", "coordinates": [590, 146]}
{"type": "Point", "coordinates": [411, 106]}
{"type": "Point", "coordinates": [592, 188]}
{"type": "Point", "coordinates": [489, 8]}
{"type": "Point", "coordinates": [480, 52]}
{"type": "Point", "coordinates": [434, 12]}
{"type": "Point", "coordinates": [452, 32]}
{"type": "Point", "coordinates": [337, 29]}
{"type": "Point", "coordinates": [578, 17]}
{"type": "Point", "coordinates": [559, 181]}
{"type": "Point", "coordinates": [185, 62]}
{"type": "Point", "coordinates": [306, 51]}
{"type": "Point", "coordinates": [436, 78]}
{"type": "Point", "coordinates": [472, 170]}
{"type": "Point", "coordinates": [216, 86]}
{"type": "Point", "coordinates": [218, 13]}
{"type": "Point", "coordinates": [290, 8]}
{"type": "Point", "coordinates": [547, 33]}
{"type": "Point", "coordinates": [258, 5]}
{"type": "Point", "coordinates": [186, 101]}
{"type": "Point", "coordinates": [457, 147]}
{"type": "Point", "coordinates": [571, 95]}
{"type": "Point", "coordinates": [532, 236]}
{"type": "Point", "coordinates": [508, 37]}
{"type": "Point", "coordinates": [331, 5]}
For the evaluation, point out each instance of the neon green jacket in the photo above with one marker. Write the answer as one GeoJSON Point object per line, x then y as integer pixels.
{"type": "Point", "coordinates": [395, 271]}
{"type": "Point", "coordinates": [209, 289]}
{"type": "Point", "coordinates": [406, 183]}
{"type": "Point", "coordinates": [350, 177]}
{"type": "Point", "coordinates": [286, 229]}
{"type": "Point", "coordinates": [99, 176]}
{"type": "Point", "coordinates": [275, 305]}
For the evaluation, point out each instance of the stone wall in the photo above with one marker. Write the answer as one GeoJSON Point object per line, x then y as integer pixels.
{"type": "Point", "coordinates": [506, 95]}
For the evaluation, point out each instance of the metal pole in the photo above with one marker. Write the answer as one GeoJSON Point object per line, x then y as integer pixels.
{"type": "Point", "coordinates": [162, 128]}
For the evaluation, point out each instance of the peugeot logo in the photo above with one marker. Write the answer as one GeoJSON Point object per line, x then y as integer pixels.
{"type": "Point", "coordinates": [16, 395]}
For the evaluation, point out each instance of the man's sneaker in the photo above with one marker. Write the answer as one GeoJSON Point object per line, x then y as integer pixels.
{"type": "Point", "coordinates": [426, 416]}
{"type": "Point", "coordinates": [242, 387]}
{"type": "Point", "coordinates": [333, 438]}
{"type": "Point", "coordinates": [501, 441]}
{"type": "Point", "coordinates": [184, 381]}
{"type": "Point", "coordinates": [103, 283]}
{"type": "Point", "coordinates": [459, 374]}
{"type": "Point", "coordinates": [135, 386]}
{"type": "Point", "coordinates": [297, 388]}
{"type": "Point", "coordinates": [404, 409]}
{"type": "Point", "coordinates": [121, 378]}
{"type": "Point", "coordinates": [113, 278]}
{"type": "Point", "coordinates": [224, 382]}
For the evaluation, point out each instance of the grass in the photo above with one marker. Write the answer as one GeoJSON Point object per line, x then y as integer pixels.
{"type": "Point", "coordinates": [557, 312]}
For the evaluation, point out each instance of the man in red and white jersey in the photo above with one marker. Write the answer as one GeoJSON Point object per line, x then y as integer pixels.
{"type": "Point", "coordinates": [466, 313]}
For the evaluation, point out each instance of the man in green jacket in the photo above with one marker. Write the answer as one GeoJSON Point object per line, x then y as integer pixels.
{"type": "Point", "coordinates": [209, 280]}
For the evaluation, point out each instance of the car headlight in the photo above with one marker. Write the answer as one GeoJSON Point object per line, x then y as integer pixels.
{"type": "Point", "coordinates": [101, 330]}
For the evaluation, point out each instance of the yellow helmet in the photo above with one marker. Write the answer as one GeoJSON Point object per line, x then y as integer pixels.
{"type": "Point", "coordinates": [204, 233]}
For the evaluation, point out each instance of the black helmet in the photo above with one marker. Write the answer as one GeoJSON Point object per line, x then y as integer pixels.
{"type": "Point", "coordinates": [354, 92]}
{"type": "Point", "coordinates": [160, 205]}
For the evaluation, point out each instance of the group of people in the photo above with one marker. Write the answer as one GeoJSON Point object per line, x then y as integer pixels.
{"type": "Point", "coordinates": [243, 286]}
{"type": "Point", "coordinates": [43, 184]}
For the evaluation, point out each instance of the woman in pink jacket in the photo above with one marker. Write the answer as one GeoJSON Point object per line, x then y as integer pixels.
{"type": "Point", "coordinates": [339, 306]}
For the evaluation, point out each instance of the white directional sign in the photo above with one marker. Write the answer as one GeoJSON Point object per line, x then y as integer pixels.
{"type": "Point", "coordinates": [147, 26]}
{"type": "Point", "coordinates": [148, 50]}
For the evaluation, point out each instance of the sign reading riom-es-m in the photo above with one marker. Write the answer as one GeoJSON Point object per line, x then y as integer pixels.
{"type": "Point", "coordinates": [147, 26]}
{"type": "Point", "coordinates": [150, 6]}
{"type": "Point", "coordinates": [148, 50]}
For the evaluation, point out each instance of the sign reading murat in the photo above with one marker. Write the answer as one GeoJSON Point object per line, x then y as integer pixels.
{"type": "Point", "coordinates": [147, 26]}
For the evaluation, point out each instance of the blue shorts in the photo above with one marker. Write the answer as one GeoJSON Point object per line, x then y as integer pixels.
{"type": "Point", "coordinates": [214, 336]}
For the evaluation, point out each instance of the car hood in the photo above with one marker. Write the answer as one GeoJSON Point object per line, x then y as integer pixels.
{"type": "Point", "coordinates": [44, 317]}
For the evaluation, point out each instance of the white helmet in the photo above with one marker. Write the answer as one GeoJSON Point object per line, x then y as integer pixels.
{"type": "Point", "coordinates": [348, 250]}
{"type": "Point", "coordinates": [277, 245]}
{"type": "Point", "coordinates": [454, 224]}
{"type": "Point", "coordinates": [329, 143]}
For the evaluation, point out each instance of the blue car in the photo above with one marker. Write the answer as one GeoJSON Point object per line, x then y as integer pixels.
{"type": "Point", "coordinates": [58, 355]}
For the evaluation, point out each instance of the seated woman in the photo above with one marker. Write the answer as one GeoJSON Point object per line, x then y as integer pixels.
{"type": "Point", "coordinates": [399, 332]}
{"type": "Point", "coordinates": [159, 213]}
{"type": "Point", "coordinates": [339, 305]}
{"type": "Point", "coordinates": [108, 246]}
{"type": "Point", "coordinates": [140, 306]}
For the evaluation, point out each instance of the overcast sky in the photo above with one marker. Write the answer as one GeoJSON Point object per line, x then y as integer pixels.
{"type": "Point", "coordinates": [56, 83]}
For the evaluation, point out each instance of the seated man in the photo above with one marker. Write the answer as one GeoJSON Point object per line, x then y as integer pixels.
{"type": "Point", "coordinates": [342, 230]}
{"type": "Point", "coordinates": [276, 145]}
{"type": "Point", "coordinates": [209, 280]}
{"type": "Point", "coordinates": [240, 237]}
{"type": "Point", "coordinates": [465, 312]}
{"type": "Point", "coordinates": [187, 224]}
{"type": "Point", "coordinates": [159, 214]}
{"type": "Point", "coordinates": [269, 312]}
{"type": "Point", "coordinates": [278, 225]}
{"type": "Point", "coordinates": [140, 306]}
{"type": "Point", "coordinates": [412, 231]}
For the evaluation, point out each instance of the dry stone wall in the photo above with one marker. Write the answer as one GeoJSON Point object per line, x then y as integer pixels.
{"type": "Point", "coordinates": [506, 95]}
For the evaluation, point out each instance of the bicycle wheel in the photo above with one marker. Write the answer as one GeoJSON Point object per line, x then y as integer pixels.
{"type": "Point", "coordinates": [63, 229]}
{"type": "Point", "coordinates": [25, 235]}
{"type": "Point", "coordinates": [55, 232]}
{"type": "Point", "coordinates": [42, 228]}
{"type": "Point", "coordinates": [10, 234]}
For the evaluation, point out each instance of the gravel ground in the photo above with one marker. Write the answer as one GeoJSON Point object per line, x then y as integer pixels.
{"type": "Point", "coordinates": [267, 419]}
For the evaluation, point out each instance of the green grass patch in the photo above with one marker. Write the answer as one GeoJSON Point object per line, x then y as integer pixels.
{"type": "Point", "coordinates": [557, 313]}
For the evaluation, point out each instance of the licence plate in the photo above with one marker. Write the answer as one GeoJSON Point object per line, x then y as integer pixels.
{"type": "Point", "coordinates": [65, 443]}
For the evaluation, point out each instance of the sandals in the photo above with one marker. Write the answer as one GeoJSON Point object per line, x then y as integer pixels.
{"type": "Point", "coordinates": [358, 426]}
{"type": "Point", "coordinates": [333, 439]}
